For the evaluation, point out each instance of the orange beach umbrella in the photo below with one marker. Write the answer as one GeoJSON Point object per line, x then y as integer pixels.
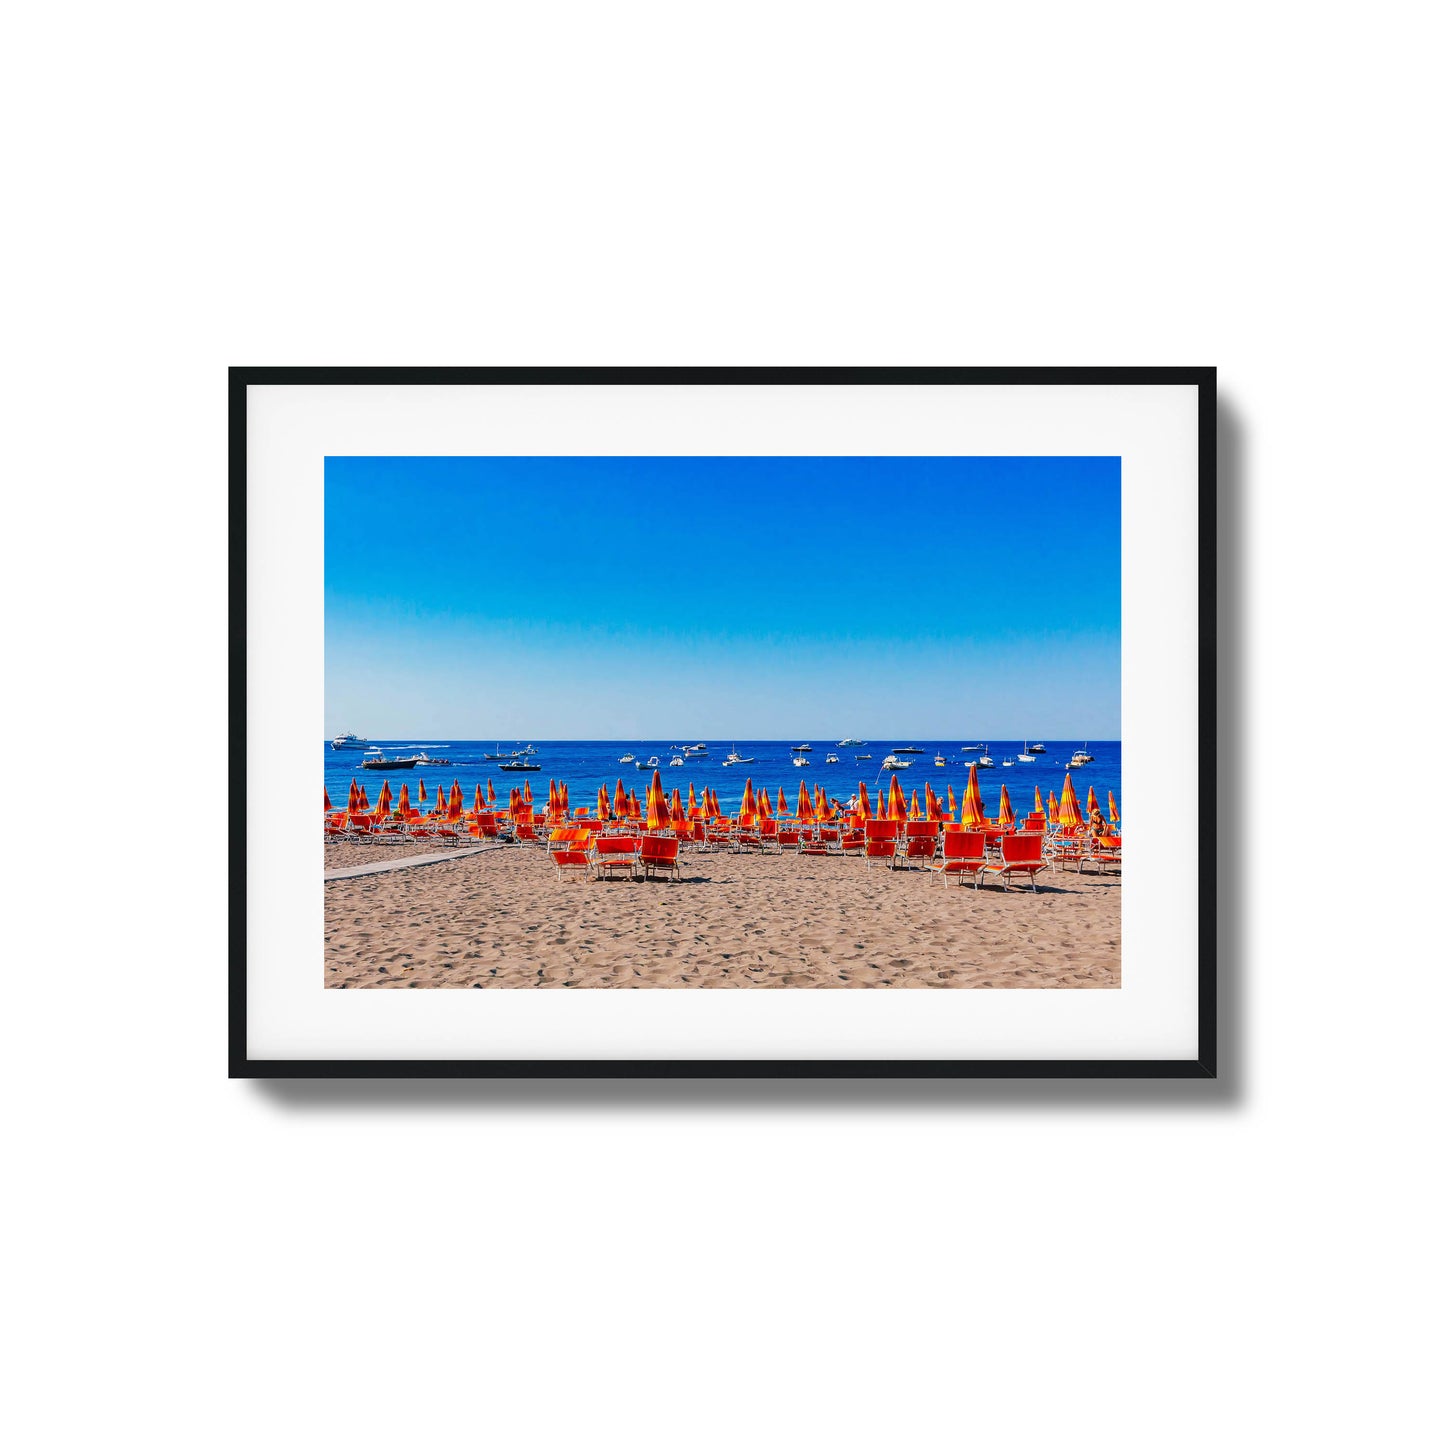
{"type": "Point", "coordinates": [1069, 815]}
{"type": "Point", "coordinates": [1005, 808]}
{"type": "Point", "coordinates": [863, 809]}
{"type": "Point", "coordinates": [478, 801]}
{"type": "Point", "coordinates": [782, 802]}
{"type": "Point", "coordinates": [1113, 808]}
{"type": "Point", "coordinates": [603, 811]}
{"type": "Point", "coordinates": [951, 803]}
{"type": "Point", "coordinates": [805, 804]}
{"type": "Point", "coordinates": [897, 807]}
{"type": "Point", "coordinates": [403, 803]}
{"type": "Point", "coordinates": [694, 808]}
{"type": "Point", "coordinates": [1038, 800]}
{"type": "Point", "coordinates": [748, 808]}
{"type": "Point", "coordinates": [491, 792]}
{"type": "Point", "coordinates": [327, 797]}
{"type": "Point", "coordinates": [527, 791]}
{"type": "Point", "coordinates": [914, 812]}
{"type": "Point", "coordinates": [971, 814]}
{"type": "Point", "coordinates": [1092, 805]}
{"type": "Point", "coordinates": [675, 807]}
{"type": "Point", "coordinates": [1053, 807]}
{"type": "Point", "coordinates": [656, 803]}
{"type": "Point", "coordinates": [634, 808]}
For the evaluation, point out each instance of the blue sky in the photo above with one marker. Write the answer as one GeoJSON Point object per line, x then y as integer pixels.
{"type": "Point", "coordinates": [757, 597]}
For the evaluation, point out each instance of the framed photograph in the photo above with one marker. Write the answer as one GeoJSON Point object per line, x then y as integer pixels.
{"type": "Point", "coordinates": [723, 722]}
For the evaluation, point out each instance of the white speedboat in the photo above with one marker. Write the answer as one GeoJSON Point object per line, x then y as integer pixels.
{"type": "Point", "coordinates": [652, 762]}
{"type": "Point", "coordinates": [907, 750]}
{"type": "Point", "coordinates": [694, 750]}
{"type": "Point", "coordinates": [800, 762]}
{"type": "Point", "coordinates": [675, 762]}
{"type": "Point", "coordinates": [627, 758]}
{"type": "Point", "coordinates": [894, 764]}
{"type": "Point", "coordinates": [1027, 756]}
{"type": "Point", "coordinates": [1038, 748]}
{"type": "Point", "coordinates": [736, 757]}
{"type": "Point", "coordinates": [1079, 759]}
{"type": "Point", "coordinates": [972, 747]}
{"type": "Point", "coordinates": [832, 758]}
{"type": "Point", "coordinates": [983, 760]}
{"type": "Point", "coordinates": [851, 743]}
{"type": "Point", "coordinates": [862, 757]}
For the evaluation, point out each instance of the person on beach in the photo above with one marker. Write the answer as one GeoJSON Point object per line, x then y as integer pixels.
{"type": "Point", "coordinates": [1098, 828]}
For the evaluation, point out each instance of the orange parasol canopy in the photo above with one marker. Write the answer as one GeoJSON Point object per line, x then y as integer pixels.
{"type": "Point", "coordinates": [565, 796]}
{"type": "Point", "coordinates": [748, 808]}
{"type": "Point", "coordinates": [1069, 815]}
{"type": "Point", "coordinates": [634, 808]}
{"type": "Point", "coordinates": [403, 803]}
{"type": "Point", "coordinates": [603, 811]}
{"type": "Point", "coordinates": [479, 802]}
{"type": "Point", "coordinates": [932, 805]}
{"type": "Point", "coordinates": [782, 802]}
{"type": "Point", "coordinates": [527, 791]}
{"type": "Point", "coordinates": [553, 801]}
{"type": "Point", "coordinates": [1005, 808]}
{"type": "Point", "coordinates": [353, 797]}
{"type": "Point", "coordinates": [805, 804]}
{"type": "Point", "coordinates": [491, 792]}
{"type": "Point", "coordinates": [327, 797]}
{"type": "Point", "coordinates": [1053, 807]}
{"type": "Point", "coordinates": [1113, 808]}
{"type": "Point", "coordinates": [971, 814]}
{"type": "Point", "coordinates": [765, 804]}
{"type": "Point", "coordinates": [657, 816]}
{"type": "Point", "coordinates": [1091, 806]}
{"type": "Point", "coordinates": [675, 809]}
{"type": "Point", "coordinates": [914, 812]}
{"type": "Point", "coordinates": [362, 800]}
{"type": "Point", "coordinates": [1038, 800]}
{"type": "Point", "coordinates": [897, 806]}
{"type": "Point", "coordinates": [383, 798]}
{"type": "Point", "coordinates": [863, 810]}
{"type": "Point", "coordinates": [619, 802]}
{"type": "Point", "coordinates": [952, 804]}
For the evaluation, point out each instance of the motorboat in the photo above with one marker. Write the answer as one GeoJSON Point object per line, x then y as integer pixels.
{"type": "Point", "coordinates": [346, 740]}
{"type": "Point", "coordinates": [736, 757]}
{"type": "Point", "coordinates": [983, 760]}
{"type": "Point", "coordinates": [425, 760]}
{"type": "Point", "coordinates": [676, 762]}
{"type": "Point", "coordinates": [894, 764]}
{"type": "Point", "coordinates": [972, 748]}
{"type": "Point", "coordinates": [1038, 748]}
{"type": "Point", "coordinates": [1008, 762]}
{"type": "Point", "coordinates": [832, 758]}
{"type": "Point", "coordinates": [907, 750]}
{"type": "Point", "coordinates": [652, 762]}
{"type": "Point", "coordinates": [627, 758]}
{"type": "Point", "coordinates": [1079, 759]}
{"type": "Point", "coordinates": [519, 765]}
{"type": "Point", "coordinates": [383, 764]}
{"type": "Point", "coordinates": [938, 761]}
{"type": "Point", "coordinates": [803, 748]}
{"type": "Point", "coordinates": [851, 743]}
{"type": "Point", "coordinates": [528, 752]}
{"type": "Point", "coordinates": [1027, 756]}
{"type": "Point", "coordinates": [1084, 753]}
{"type": "Point", "coordinates": [694, 750]}
{"type": "Point", "coordinates": [801, 763]}
{"type": "Point", "coordinates": [862, 757]}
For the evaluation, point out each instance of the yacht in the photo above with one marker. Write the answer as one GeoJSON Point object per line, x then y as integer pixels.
{"type": "Point", "coordinates": [832, 758]}
{"type": "Point", "coordinates": [972, 748]}
{"type": "Point", "coordinates": [499, 756]}
{"type": "Point", "coordinates": [1079, 759]}
{"type": "Point", "coordinates": [851, 743]}
{"type": "Point", "coordinates": [1085, 754]}
{"type": "Point", "coordinates": [800, 762]}
{"type": "Point", "coordinates": [803, 748]}
{"type": "Point", "coordinates": [528, 752]}
{"type": "Point", "coordinates": [1038, 748]}
{"type": "Point", "coordinates": [694, 750]}
{"type": "Point", "coordinates": [676, 762]}
{"type": "Point", "coordinates": [893, 763]}
{"type": "Point", "coordinates": [625, 758]}
{"type": "Point", "coordinates": [378, 760]}
{"type": "Point", "coordinates": [346, 740]}
{"type": "Point", "coordinates": [519, 765]}
{"type": "Point", "coordinates": [907, 750]}
{"type": "Point", "coordinates": [425, 760]}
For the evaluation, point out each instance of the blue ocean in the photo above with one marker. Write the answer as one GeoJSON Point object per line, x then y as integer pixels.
{"type": "Point", "coordinates": [586, 766]}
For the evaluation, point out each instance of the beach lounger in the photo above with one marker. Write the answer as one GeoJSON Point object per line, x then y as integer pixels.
{"type": "Point", "coordinates": [919, 843]}
{"type": "Point", "coordinates": [812, 843]}
{"type": "Point", "coordinates": [612, 855]}
{"type": "Point", "coordinates": [659, 855]}
{"type": "Point", "coordinates": [768, 836]}
{"type": "Point", "coordinates": [789, 838]}
{"type": "Point", "coordinates": [880, 842]}
{"type": "Point", "coordinates": [833, 840]}
{"type": "Point", "coordinates": [1107, 852]}
{"type": "Point", "coordinates": [1022, 853]}
{"type": "Point", "coordinates": [852, 842]}
{"type": "Point", "coordinates": [964, 852]}
{"type": "Point", "coordinates": [568, 851]}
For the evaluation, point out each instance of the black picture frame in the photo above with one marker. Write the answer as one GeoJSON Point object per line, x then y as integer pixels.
{"type": "Point", "coordinates": [1203, 1066]}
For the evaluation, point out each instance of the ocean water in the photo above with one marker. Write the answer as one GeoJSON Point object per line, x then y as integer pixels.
{"type": "Point", "coordinates": [586, 766]}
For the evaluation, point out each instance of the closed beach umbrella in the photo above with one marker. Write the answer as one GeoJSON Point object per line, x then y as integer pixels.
{"type": "Point", "coordinates": [353, 797]}
{"type": "Point", "coordinates": [656, 803]}
{"type": "Point", "coordinates": [634, 808]}
{"type": "Point", "coordinates": [478, 801]}
{"type": "Point", "coordinates": [805, 804]}
{"type": "Point", "coordinates": [782, 802]}
{"type": "Point", "coordinates": [971, 814]}
{"type": "Point", "coordinates": [914, 812]}
{"type": "Point", "coordinates": [1069, 815]}
{"type": "Point", "coordinates": [362, 800]}
{"type": "Point", "coordinates": [603, 811]}
{"type": "Point", "coordinates": [1005, 808]}
{"type": "Point", "coordinates": [1053, 807]}
{"type": "Point", "coordinates": [527, 792]}
{"type": "Point", "coordinates": [403, 803]}
{"type": "Point", "coordinates": [553, 801]}
{"type": "Point", "coordinates": [694, 809]}
{"type": "Point", "coordinates": [863, 809]}
{"type": "Point", "coordinates": [675, 808]}
{"type": "Point", "coordinates": [951, 803]}
{"type": "Point", "coordinates": [897, 804]}
{"type": "Point", "coordinates": [747, 809]}
{"type": "Point", "coordinates": [765, 804]}
{"type": "Point", "coordinates": [1038, 800]}
{"type": "Point", "coordinates": [326, 806]}
{"type": "Point", "coordinates": [1113, 808]}
{"type": "Point", "coordinates": [383, 798]}
{"type": "Point", "coordinates": [1091, 806]}
{"type": "Point", "coordinates": [566, 796]}
{"type": "Point", "coordinates": [456, 802]}
{"type": "Point", "coordinates": [491, 792]}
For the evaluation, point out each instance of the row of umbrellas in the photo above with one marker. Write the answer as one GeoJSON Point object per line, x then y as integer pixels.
{"type": "Point", "coordinates": [659, 811]}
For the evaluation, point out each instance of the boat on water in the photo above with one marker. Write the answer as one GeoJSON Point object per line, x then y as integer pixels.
{"type": "Point", "coordinates": [652, 762]}
{"type": "Point", "coordinates": [346, 740]}
{"type": "Point", "coordinates": [938, 761]}
{"type": "Point", "coordinates": [1038, 748]}
{"type": "Point", "coordinates": [862, 757]}
{"type": "Point", "coordinates": [627, 758]}
{"type": "Point", "coordinates": [1027, 756]}
{"type": "Point", "coordinates": [851, 743]}
{"type": "Point", "coordinates": [972, 748]}
{"type": "Point", "coordinates": [736, 757]}
{"type": "Point", "coordinates": [694, 750]}
{"type": "Point", "coordinates": [803, 748]}
{"type": "Point", "coordinates": [832, 758]}
{"type": "Point", "coordinates": [519, 765]}
{"type": "Point", "coordinates": [894, 764]}
{"type": "Point", "coordinates": [983, 760]}
{"type": "Point", "coordinates": [1078, 760]}
{"type": "Point", "coordinates": [383, 764]}
{"type": "Point", "coordinates": [801, 763]}
{"type": "Point", "coordinates": [676, 762]}
{"type": "Point", "coordinates": [425, 760]}
{"type": "Point", "coordinates": [907, 750]}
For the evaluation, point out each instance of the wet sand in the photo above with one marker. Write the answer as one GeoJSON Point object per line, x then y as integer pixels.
{"type": "Point", "coordinates": [503, 919]}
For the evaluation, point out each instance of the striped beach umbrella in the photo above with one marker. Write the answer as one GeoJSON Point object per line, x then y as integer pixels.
{"type": "Point", "coordinates": [619, 801]}
{"type": "Point", "coordinates": [694, 808]}
{"type": "Point", "coordinates": [1038, 800]}
{"type": "Point", "coordinates": [327, 797]}
{"type": "Point", "coordinates": [782, 802]}
{"type": "Point", "coordinates": [952, 804]}
{"type": "Point", "coordinates": [1005, 808]}
{"type": "Point", "coordinates": [1091, 805]}
{"type": "Point", "coordinates": [491, 792]}
{"type": "Point", "coordinates": [1053, 807]}
{"type": "Point", "coordinates": [863, 809]}
{"type": "Point", "coordinates": [805, 804]}
{"type": "Point", "coordinates": [403, 803]}
{"type": "Point", "coordinates": [1113, 808]}
{"type": "Point", "coordinates": [566, 796]}
{"type": "Point", "coordinates": [634, 808]}
{"type": "Point", "coordinates": [363, 802]}
{"type": "Point", "coordinates": [897, 804]}
{"type": "Point", "coordinates": [914, 812]}
{"type": "Point", "coordinates": [675, 808]}
{"type": "Point", "coordinates": [527, 792]}
{"type": "Point", "coordinates": [748, 808]}
{"type": "Point", "coordinates": [657, 816]}
{"type": "Point", "coordinates": [1069, 815]}
{"type": "Point", "coordinates": [971, 814]}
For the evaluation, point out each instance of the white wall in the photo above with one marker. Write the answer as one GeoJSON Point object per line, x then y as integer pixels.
{"type": "Point", "coordinates": [1244, 185]}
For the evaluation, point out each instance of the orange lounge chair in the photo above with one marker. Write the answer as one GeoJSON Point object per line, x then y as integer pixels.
{"type": "Point", "coordinates": [611, 854]}
{"type": "Point", "coordinates": [1107, 851]}
{"type": "Point", "coordinates": [1022, 853]}
{"type": "Point", "coordinates": [568, 851]}
{"type": "Point", "coordinates": [813, 843]}
{"type": "Point", "coordinates": [659, 855]}
{"type": "Point", "coordinates": [881, 841]}
{"type": "Point", "coordinates": [852, 842]}
{"type": "Point", "coordinates": [789, 837]}
{"type": "Point", "coordinates": [920, 843]}
{"type": "Point", "coordinates": [963, 854]}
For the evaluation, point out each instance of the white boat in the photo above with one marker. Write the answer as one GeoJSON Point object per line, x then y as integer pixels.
{"type": "Point", "coordinates": [972, 747]}
{"type": "Point", "coordinates": [803, 748]}
{"type": "Point", "coordinates": [627, 758]}
{"type": "Point", "coordinates": [907, 750]}
{"type": "Point", "coordinates": [675, 762]}
{"type": "Point", "coordinates": [346, 740]}
{"type": "Point", "coordinates": [938, 761]}
{"type": "Point", "coordinates": [894, 764]}
{"type": "Point", "coordinates": [736, 757]}
{"type": "Point", "coordinates": [1008, 762]}
{"type": "Point", "coordinates": [832, 758]}
{"type": "Point", "coordinates": [800, 762]}
{"type": "Point", "coordinates": [862, 757]}
{"type": "Point", "coordinates": [650, 763]}
{"type": "Point", "coordinates": [983, 760]}
{"type": "Point", "coordinates": [1027, 756]}
{"type": "Point", "coordinates": [851, 743]}
{"type": "Point", "coordinates": [1078, 760]}
{"type": "Point", "coordinates": [694, 750]}
{"type": "Point", "coordinates": [1038, 748]}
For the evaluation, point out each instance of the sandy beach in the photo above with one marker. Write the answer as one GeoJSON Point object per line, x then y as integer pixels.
{"type": "Point", "coordinates": [503, 919]}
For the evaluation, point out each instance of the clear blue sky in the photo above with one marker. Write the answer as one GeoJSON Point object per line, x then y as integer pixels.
{"type": "Point", "coordinates": [758, 597]}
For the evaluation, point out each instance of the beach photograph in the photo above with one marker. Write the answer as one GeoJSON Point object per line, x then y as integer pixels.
{"type": "Point", "coordinates": [722, 722]}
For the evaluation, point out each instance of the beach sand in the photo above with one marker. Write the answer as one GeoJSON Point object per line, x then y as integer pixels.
{"type": "Point", "coordinates": [503, 919]}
